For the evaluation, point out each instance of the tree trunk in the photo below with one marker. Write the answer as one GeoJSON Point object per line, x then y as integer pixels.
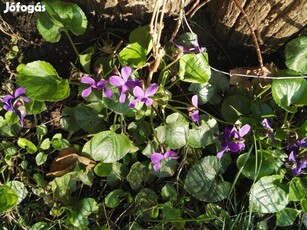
{"type": "Point", "coordinates": [127, 10]}
{"type": "Point", "coordinates": [274, 21]}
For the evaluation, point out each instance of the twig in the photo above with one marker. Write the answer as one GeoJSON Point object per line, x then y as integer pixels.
{"type": "Point", "coordinates": [256, 76]}
{"type": "Point", "coordinates": [156, 27]}
{"type": "Point", "coordinates": [6, 29]}
{"type": "Point", "coordinates": [194, 8]}
{"type": "Point", "coordinates": [254, 37]}
{"type": "Point", "coordinates": [179, 20]}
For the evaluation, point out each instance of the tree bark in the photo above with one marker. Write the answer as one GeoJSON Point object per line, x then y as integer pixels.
{"type": "Point", "coordinates": [274, 21]}
{"type": "Point", "coordinates": [127, 10]}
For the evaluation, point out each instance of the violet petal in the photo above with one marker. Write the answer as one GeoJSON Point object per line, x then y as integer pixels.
{"type": "Point", "coordinates": [122, 98]}
{"type": "Point", "coordinates": [88, 80]}
{"type": "Point", "coordinates": [148, 101]}
{"type": "Point", "coordinates": [101, 83]}
{"type": "Point", "coordinates": [116, 81]}
{"type": "Point", "coordinates": [235, 147]}
{"type": "Point", "coordinates": [86, 92]}
{"type": "Point", "coordinates": [19, 91]}
{"type": "Point", "coordinates": [126, 72]}
{"type": "Point", "coordinates": [195, 101]}
{"type": "Point", "coordinates": [138, 92]}
{"type": "Point", "coordinates": [156, 158]}
{"type": "Point", "coordinates": [151, 90]}
{"type": "Point", "coordinates": [220, 154]}
{"type": "Point", "coordinates": [244, 130]}
{"type": "Point", "coordinates": [108, 92]}
{"type": "Point", "coordinates": [26, 99]}
{"type": "Point", "coordinates": [195, 116]}
{"type": "Point", "coordinates": [171, 154]}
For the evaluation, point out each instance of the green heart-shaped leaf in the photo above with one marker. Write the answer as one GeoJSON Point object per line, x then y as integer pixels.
{"type": "Point", "coordinates": [8, 199]}
{"type": "Point", "coordinates": [203, 181]}
{"type": "Point", "coordinates": [107, 146]}
{"type": "Point", "coordinates": [194, 68]}
{"type": "Point", "coordinates": [296, 54]}
{"type": "Point", "coordinates": [268, 195]}
{"type": "Point", "coordinates": [60, 16]}
{"type": "Point", "coordinates": [290, 93]}
{"type": "Point", "coordinates": [42, 82]}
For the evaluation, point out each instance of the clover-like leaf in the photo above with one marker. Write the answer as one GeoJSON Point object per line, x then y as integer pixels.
{"type": "Point", "coordinates": [297, 189]}
{"type": "Point", "coordinates": [63, 187]}
{"type": "Point", "coordinates": [270, 162]}
{"type": "Point", "coordinates": [27, 145]}
{"type": "Point", "coordinates": [89, 117]}
{"type": "Point", "coordinates": [145, 201]}
{"type": "Point", "coordinates": [60, 16]}
{"type": "Point", "coordinates": [235, 105]}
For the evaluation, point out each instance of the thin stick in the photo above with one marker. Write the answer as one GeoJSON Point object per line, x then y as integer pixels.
{"type": "Point", "coordinates": [254, 37]}
{"type": "Point", "coordinates": [179, 21]}
{"type": "Point", "coordinates": [153, 17]}
{"type": "Point", "coordinates": [256, 76]}
{"type": "Point", "coordinates": [194, 10]}
{"type": "Point", "coordinates": [156, 27]}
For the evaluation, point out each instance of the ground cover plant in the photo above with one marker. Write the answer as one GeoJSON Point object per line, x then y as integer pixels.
{"type": "Point", "coordinates": [151, 136]}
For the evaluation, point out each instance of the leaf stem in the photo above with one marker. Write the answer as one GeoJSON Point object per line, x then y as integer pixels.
{"type": "Point", "coordinates": [71, 43]}
{"type": "Point", "coordinates": [205, 112]}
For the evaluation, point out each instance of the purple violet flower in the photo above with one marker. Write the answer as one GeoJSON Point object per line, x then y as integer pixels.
{"type": "Point", "coordinates": [299, 163]}
{"type": "Point", "coordinates": [95, 85]}
{"type": "Point", "coordinates": [143, 95]}
{"type": "Point", "coordinates": [16, 102]}
{"type": "Point", "coordinates": [156, 158]}
{"type": "Point", "coordinates": [121, 81]}
{"type": "Point", "coordinates": [193, 111]}
{"type": "Point", "coordinates": [196, 49]}
{"type": "Point", "coordinates": [232, 139]}
{"type": "Point", "coordinates": [268, 130]}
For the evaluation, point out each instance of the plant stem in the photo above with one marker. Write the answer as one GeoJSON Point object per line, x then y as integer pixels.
{"type": "Point", "coordinates": [161, 75]}
{"type": "Point", "coordinates": [153, 129]}
{"type": "Point", "coordinates": [205, 112]}
{"type": "Point", "coordinates": [71, 43]}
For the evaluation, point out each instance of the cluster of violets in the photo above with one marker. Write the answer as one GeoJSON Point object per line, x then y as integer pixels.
{"type": "Point", "coordinates": [297, 158]}
{"type": "Point", "coordinates": [15, 102]}
{"type": "Point", "coordinates": [124, 84]}
{"type": "Point", "coordinates": [232, 139]}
